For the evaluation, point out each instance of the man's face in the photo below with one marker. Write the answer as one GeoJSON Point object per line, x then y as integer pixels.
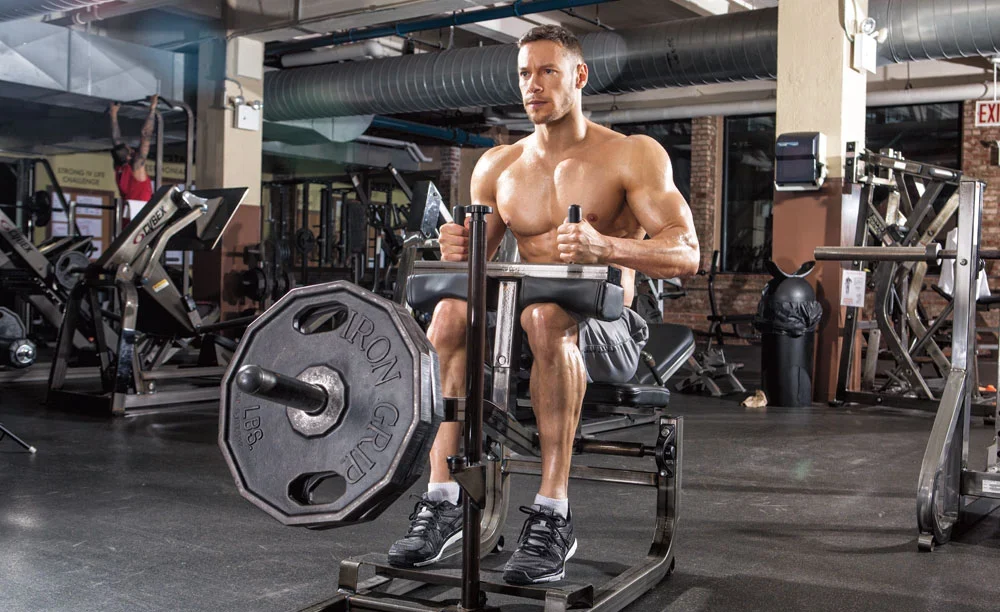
{"type": "Point", "coordinates": [549, 78]}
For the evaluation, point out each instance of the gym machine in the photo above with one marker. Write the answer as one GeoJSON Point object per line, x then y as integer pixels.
{"type": "Point", "coordinates": [293, 254]}
{"type": "Point", "coordinates": [950, 495]}
{"type": "Point", "coordinates": [901, 204]}
{"type": "Point", "coordinates": [154, 320]}
{"type": "Point", "coordinates": [333, 399]}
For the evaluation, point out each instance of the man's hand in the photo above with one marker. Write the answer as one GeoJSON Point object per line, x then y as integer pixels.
{"type": "Point", "coordinates": [454, 241]}
{"type": "Point", "coordinates": [113, 109]}
{"type": "Point", "coordinates": [153, 101]}
{"type": "Point", "coordinates": [580, 243]}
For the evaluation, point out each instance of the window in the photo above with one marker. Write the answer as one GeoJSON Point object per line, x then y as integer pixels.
{"type": "Point", "coordinates": [675, 137]}
{"type": "Point", "coordinates": [747, 193]}
{"type": "Point", "coordinates": [930, 133]}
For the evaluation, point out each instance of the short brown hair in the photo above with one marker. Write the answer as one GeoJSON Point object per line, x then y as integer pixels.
{"type": "Point", "coordinates": [557, 34]}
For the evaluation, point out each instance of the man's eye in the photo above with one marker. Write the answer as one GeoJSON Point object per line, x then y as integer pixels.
{"type": "Point", "coordinates": [524, 74]}
{"type": "Point", "coordinates": [549, 71]}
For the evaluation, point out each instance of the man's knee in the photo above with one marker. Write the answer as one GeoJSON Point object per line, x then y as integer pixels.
{"type": "Point", "coordinates": [548, 327]}
{"type": "Point", "coordinates": [448, 324]}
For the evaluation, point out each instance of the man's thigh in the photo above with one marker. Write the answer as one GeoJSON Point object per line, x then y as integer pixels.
{"type": "Point", "coordinates": [610, 349]}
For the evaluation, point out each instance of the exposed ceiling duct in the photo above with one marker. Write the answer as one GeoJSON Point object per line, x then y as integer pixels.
{"type": "Point", "coordinates": [20, 9]}
{"type": "Point", "coordinates": [734, 47]}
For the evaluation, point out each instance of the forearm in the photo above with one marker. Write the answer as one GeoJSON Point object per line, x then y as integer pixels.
{"type": "Point", "coordinates": [116, 133]}
{"type": "Point", "coordinates": [661, 257]}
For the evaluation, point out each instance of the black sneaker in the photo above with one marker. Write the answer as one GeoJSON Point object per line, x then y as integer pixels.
{"type": "Point", "coordinates": [545, 544]}
{"type": "Point", "coordinates": [434, 526]}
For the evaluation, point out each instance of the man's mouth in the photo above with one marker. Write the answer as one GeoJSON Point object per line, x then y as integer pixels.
{"type": "Point", "coordinates": [536, 102]}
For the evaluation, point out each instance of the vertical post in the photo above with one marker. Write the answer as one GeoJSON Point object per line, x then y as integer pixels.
{"type": "Point", "coordinates": [475, 358]}
{"type": "Point", "coordinates": [970, 210]}
{"type": "Point", "coordinates": [305, 225]}
{"type": "Point", "coordinates": [159, 149]}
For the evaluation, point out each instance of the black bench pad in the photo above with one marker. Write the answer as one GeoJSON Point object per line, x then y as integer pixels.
{"type": "Point", "coordinates": [589, 298]}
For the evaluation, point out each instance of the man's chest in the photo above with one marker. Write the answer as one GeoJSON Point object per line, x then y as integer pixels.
{"type": "Point", "coordinates": [533, 198]}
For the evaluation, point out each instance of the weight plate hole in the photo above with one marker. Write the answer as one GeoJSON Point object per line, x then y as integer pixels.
{"type": "Point", "coordinates": [317, 489]}
{"type": "Point", "coordinates": [321, 319]}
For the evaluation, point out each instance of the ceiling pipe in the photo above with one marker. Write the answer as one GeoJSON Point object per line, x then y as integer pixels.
{"type": "Point", "coordinates": [411, 148]}
{"type": "Point", "coordinates": [452, 135]}
{"type": "Point", "coordinates": [110, 10]}
{"type": "Point", "coordinates": [369, 49]}
{"type": "Point", "coordinates": [11, 10]}
{"type": "Point", "coordinates": [516, 9]}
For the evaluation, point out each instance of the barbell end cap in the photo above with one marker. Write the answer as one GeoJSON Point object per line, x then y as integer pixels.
{"type": "Point", "coordinates": [250, 379]}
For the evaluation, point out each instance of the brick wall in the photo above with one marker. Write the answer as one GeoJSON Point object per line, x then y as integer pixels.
{"type": "Point", "coordinates": [976, 164]}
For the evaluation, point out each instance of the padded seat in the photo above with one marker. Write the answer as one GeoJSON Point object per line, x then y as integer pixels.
{"type": "Point", "coordinates": [670, 345]}
{"type": "Point", "coordinates": [626, 395]}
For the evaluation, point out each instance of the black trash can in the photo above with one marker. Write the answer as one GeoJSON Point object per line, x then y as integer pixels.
{"type": "Point", "coordinates": [787, 316]}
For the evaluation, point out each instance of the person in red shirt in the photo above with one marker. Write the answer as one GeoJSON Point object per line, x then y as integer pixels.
{"type": "Point", "coordinates": [130, 164]}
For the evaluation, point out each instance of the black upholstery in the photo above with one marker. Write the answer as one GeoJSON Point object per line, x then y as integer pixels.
{"type": "Point", "coordinates": [668, 344]}
{"type": "Point", "coordinates": [627, 395]}
{"type": "Point", "coordinates": [590, 298]}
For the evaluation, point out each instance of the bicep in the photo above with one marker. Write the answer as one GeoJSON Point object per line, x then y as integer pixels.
{"type": "Point", "coordinates": [483, 192]}
{"type": "Point", "coordinates": [652, 196]}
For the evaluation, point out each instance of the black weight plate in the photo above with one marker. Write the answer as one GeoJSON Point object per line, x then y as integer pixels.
{"type": "Point", "coordinates": [393, 406]}
{"type": "Point", "coordinates": [11, 327]}
{"type": "Point", "coordinates": [69, 268]}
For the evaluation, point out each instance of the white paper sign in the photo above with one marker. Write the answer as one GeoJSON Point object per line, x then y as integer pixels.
{"type": "Point", "coordinates": [59, 229]}
{"type": "Point", "coordinates": [84, 203]}
{"type": "Point", "coordinates": [135, 207]}
{"type": "Point", "coordinates": [90, 226]}
{"type": "Point", "coordinates": [852, 288]}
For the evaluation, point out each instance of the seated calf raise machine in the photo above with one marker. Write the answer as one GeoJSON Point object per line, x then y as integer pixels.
{"type": "Point", "coordinates": [333, 399]}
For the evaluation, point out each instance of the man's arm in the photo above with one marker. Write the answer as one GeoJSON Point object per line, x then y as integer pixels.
{"type": "Point", "coordinates": [116, 133]}
{"type": "Point", "coordinates": [661, 210]}
{"type": "Point", "coordinates": [145, 139]}
{"type": "Point", "coordinates": [455, 238]}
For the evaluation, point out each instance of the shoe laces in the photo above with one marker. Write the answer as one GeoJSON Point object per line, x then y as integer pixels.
{"type": "Point", "coordinates": [540, 533]}
{"type": "Point", "coordinates": [425, 516]}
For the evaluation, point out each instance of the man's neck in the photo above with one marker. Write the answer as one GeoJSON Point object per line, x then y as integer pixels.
{"type": "Point", "coordinates": [559, 135]}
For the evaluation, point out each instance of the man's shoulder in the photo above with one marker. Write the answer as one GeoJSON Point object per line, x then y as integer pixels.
{"type": "Point", "coordinates": [497, 159]}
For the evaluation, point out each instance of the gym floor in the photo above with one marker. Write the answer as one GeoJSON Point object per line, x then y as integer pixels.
{"type": "Point", "coordinates": [782, 509]}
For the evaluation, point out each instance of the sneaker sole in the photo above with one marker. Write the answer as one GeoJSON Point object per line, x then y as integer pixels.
{"type": "Point", "coordinates": [455, 537]}
{"type": "Point", "coordinates": [553, 577]}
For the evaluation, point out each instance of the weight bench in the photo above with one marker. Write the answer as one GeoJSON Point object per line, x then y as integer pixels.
{"type": "Point", "coordinates": [709, 369]}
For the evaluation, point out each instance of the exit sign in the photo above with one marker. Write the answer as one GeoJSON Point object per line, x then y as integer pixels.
{"type": "Point", "coordinates": [987, 113]}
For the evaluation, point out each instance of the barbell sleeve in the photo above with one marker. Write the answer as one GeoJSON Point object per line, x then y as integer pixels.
{"type": "Point", "coordinates": [931, 252]}
{"type": "Point", "coordinates": [281, 389]}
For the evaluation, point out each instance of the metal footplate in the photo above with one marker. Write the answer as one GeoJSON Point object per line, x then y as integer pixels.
{"type": "Point", "coordinates": [563, 596]}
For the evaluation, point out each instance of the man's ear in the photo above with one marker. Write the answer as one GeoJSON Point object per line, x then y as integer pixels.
{"type": "Point", "coordinates": [582, 75]}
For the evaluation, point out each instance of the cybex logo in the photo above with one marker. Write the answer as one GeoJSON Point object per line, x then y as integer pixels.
{"type": "Point", "coordinates": [15, 235]}
{"type": "Point", "coordinates": [154, 221]}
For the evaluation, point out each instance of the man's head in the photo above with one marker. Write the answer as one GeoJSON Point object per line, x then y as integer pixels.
{"type": "Point", "coordinates": [551, 72]}
{"type": "Point", "coordinates": [122, 154]}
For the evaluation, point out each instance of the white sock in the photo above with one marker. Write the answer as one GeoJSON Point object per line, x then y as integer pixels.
{"type": "Point", "coordinates": [559, 506]}
{"type": "Point", "coordinates": [441, 491]}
